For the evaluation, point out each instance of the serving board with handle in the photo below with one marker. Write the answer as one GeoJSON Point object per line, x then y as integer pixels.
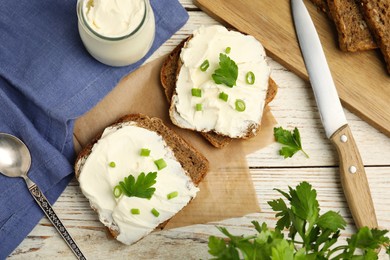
{"type": "Point", "coordinates": [361, 79]}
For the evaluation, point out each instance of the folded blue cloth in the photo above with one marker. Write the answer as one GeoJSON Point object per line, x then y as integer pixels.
{"type": "Point", "coordinates": [47, 80]}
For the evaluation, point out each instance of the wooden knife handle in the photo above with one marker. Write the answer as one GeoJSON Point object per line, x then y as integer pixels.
{"type": "Point", "coordinates": [353, 179]}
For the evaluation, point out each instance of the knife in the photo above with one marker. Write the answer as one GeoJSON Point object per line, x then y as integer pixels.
{"type": "Point", "coordinates": [352, 174]}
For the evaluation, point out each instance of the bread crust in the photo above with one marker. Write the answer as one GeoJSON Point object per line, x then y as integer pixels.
{"type": "Point", "coordinates": [168, 75]}
{"type": "Point", "coordinates": [377, 15]}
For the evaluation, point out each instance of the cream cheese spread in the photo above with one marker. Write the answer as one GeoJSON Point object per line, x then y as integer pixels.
{"type": "Point", "coordinates": [114, 18]}
{"type": "Point", "coordinates": [116, 32]}
{"type": "Point", "coordinates": [216, 114]}
{"type": "Point", "coordinates": [98, 179]}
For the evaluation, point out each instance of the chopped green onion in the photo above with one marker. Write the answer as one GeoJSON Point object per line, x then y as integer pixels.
{"type": "Point", "coordinates": [205, 65]}
{"type": "Point", "coordinates": [155, 212]}
{"type": "Point", "coordinates": [196, 92]}
{"type": "Point", "coordinates": [160, 163]}
{"type": "Point", "coordinates": [135, 211]}
{"type": "Point", "coordinates": [172, 195]}
{"type": "Point", "coordinates": [117, 191]}
{"type": "Point", "coordinates": [240, 105]}
{"type": "Point", "coordinates": [250, 78]}
{"type": "Point", "coordinates": [227, 50]}
{"type": "Point", "coordinates": [223, 96]}
{"type": "Point", "coordinates": [198, 107]}
{"type": "Point", "coordinates": [112, 164]}
{"type": "Point", "coordinates": [145, 152]}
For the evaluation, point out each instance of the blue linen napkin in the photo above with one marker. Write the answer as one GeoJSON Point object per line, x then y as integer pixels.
{"type": "Point", "coordinates": [47, 80]}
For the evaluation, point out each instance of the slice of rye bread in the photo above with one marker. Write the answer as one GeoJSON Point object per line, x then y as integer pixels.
{"type": "Point", "coordinates": [168, 74]}
{"type": "Point", "coordinates": [377, 15]}
{"type": "Point", "coordinates": [353, 32]}
{"type": "Point", "coordinates": [191, 160]}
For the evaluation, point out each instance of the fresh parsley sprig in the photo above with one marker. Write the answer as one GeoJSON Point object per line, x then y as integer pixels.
{"type": "Point", "coordinates": [227, 72]}
{"type": "Point", "coordinates": [141, 188]}
{"type": "Point", "coordinates": [311, 235]}
{"type": "Point", "coordinates": [291, 140]}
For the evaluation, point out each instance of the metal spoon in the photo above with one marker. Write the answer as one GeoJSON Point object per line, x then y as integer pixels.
{"type": "Point", "coordinates": [15, 161]}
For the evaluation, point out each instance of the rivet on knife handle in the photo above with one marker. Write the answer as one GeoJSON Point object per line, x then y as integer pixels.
{"type": "Point", "coordinates": [354, 180]}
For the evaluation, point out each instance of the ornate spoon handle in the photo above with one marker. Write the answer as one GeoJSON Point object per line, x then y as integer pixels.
{"type": "Point", "coordinates": [47, 208]}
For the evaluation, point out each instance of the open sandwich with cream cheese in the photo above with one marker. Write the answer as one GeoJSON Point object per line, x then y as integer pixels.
{"type": "Point", "coordinates": [218, 83]}
{"type": "Point", "coordinates": [137, 175]}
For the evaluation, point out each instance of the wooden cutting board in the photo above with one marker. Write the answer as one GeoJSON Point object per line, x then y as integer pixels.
{"type": "Point", "coordinates": [361, 79]}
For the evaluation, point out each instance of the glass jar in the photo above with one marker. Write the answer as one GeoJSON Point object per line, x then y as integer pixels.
{"type": "Point", "coordinates": [116, 50]}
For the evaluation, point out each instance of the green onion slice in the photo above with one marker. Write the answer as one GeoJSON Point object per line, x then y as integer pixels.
{"type": "Point", "coordinates": [240, 105]}
{"type": "Point", "coordinates": [172, 195]}
{"type": "Point", "coordinates": [117, 191]}
{"type": "Point", "coordinates": [160, 163]}
{"type": "Point", "coordinates": [135, 211]}
{"type": "Point", "coordinates": [198, 107]}
{"type": "Point", "coordinates": [196, 92]}
{"type": "Point", "coordinates": [112, 164]}
{"type": "Point", "coordinates": [155, 212]}
{"type": "Point", "coordinates": [145, 152]}
{"type": "Point", "coordinates": [223, 96]}
{"type": "Point", "coordinates": [250, 78]}
{"type": "Point", "coordinates": [205, 65]}
{"type": "Point", "coordinates": [227, 50]}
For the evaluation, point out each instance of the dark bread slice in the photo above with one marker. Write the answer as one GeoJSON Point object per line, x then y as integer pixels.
{"type": "Point", "coordinates": [377, 15]}
{"type": "Point", "coordinates": [353, 32]}
{"type": "Point", "coordinates": [168, 74]}
{"type": "Point", "coordinates": [191, 160]}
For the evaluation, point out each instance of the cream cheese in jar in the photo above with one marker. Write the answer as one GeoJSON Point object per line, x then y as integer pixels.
{"type": "Point", "coordinates": [116, 32]}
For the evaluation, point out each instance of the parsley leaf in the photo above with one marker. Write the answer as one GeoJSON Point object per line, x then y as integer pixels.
{"type": "Point", "coordinates": [317, 234]}
{"type": "Point", "coordinates": [292, 140]}
{"type": "Point", "coordinates": [304, 203]}
{"type": "Point", "coordinates": [331, 220]}
{"type": "Point", "coordinates": [141, 188]}
{"type": "Point", "coordinates": [227, 72]}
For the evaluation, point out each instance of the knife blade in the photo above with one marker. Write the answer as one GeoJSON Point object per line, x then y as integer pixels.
{"type": "Point", "coordinates": [352, 173]}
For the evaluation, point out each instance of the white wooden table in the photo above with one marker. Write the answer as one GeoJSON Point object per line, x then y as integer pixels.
{"type": "Point", "coordinates": [294, 106]}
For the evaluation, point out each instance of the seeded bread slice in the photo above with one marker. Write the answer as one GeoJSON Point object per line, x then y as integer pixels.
{"type": "Point", "coordinates": [168, 75]}
{"type": "Point", "coordinates": [353, 32]}
{"type": "Point", "coordinates": [192, 161]}
{"type": "Point", "coordinates": [377, 15]}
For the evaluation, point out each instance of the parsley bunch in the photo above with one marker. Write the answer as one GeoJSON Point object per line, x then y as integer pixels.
{"type": "Point", "coordinates": [311, 235]}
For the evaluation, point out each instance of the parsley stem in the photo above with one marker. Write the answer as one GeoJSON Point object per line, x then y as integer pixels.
{"type": "Point", "coordinates": [334, 250]}
{"type": "Point", "coordinates": [307, 156]}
